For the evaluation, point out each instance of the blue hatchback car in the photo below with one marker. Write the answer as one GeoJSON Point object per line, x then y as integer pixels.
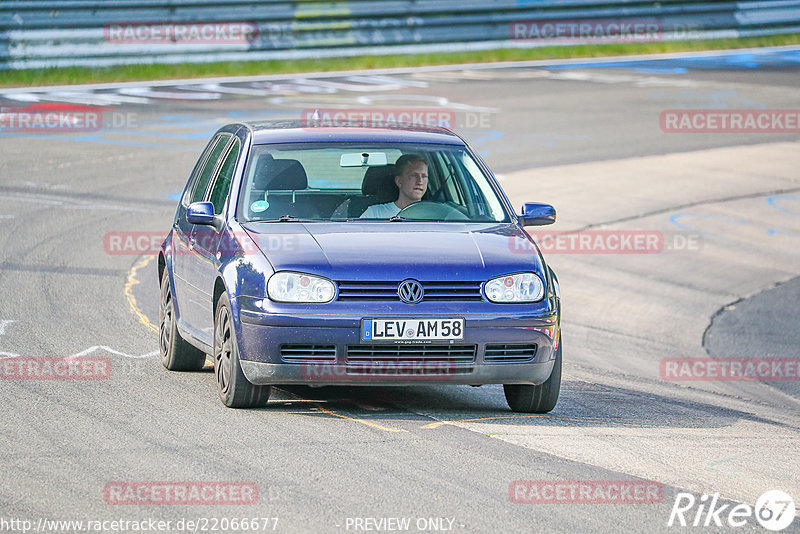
{"type": "Point", "coordinates": [356, 256]}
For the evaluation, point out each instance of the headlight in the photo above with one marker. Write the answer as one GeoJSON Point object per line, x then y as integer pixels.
{"type": "Point", "coordinates": [299, 287]}
{"type": "Point", "coordinates": [520, 287]}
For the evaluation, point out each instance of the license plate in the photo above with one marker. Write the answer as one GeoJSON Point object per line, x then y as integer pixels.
{"type": "Point", "coordinates": [412, 329]}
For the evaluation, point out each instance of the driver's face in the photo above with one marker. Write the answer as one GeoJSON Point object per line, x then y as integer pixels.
{"type": "Point", "coordinates": [413, 182]}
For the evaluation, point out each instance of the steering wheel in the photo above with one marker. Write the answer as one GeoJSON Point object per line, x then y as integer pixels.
{"type": "Point", "coordinates": [425, 209]}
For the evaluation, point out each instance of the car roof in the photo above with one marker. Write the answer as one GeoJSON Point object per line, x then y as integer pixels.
{"type": "Point", "coordinates": [296, 131]}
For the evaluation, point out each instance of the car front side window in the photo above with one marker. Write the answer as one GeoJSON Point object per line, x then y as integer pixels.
{"type": "Point", "coordinates": [208, 169]}
{"type": "Point", "coordinates": [222, 182]}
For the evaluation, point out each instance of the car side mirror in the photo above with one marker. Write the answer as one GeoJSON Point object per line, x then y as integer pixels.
{"type": "Point", "coordinates": [201, 213]}
{"type": "Point", "coordinates": [537, 214]}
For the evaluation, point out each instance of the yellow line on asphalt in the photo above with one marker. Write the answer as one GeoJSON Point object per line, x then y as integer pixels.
{"type": "Point", "coordinates": [363, 422]}
{"type": "Point", "coordinates": [580, 420]}
{"type": "Point", "coordinates": [440, 423]}
{"type": "Point", "coordinates": [132, 281]}
{"type": "Point", "coordinates": [323, 410]}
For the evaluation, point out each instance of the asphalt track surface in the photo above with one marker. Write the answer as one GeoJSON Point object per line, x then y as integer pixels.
{"type": "Point", "coordinates": [585, 137]}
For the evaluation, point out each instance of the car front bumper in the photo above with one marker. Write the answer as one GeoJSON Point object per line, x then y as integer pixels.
{"type": "Point", "coordinates": [338, 375]}
{"type": "Point", "coordinates": [335, 354]}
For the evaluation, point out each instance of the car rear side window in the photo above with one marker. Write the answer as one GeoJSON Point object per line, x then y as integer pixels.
{"type": "Point", "coordinates": [208, 169]}
{"type": "Point", "coordinates": [222, 184]}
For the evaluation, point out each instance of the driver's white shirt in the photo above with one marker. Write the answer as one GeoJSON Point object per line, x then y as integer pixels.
{"type": "Point", "coordinates": [381, 211]}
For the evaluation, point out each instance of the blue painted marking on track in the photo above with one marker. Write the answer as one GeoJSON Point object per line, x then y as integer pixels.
{"type": "Point", "coordinates": [741, 222]}
{"type": "Point", "coordinates": [480, 136]}
{"type": "Point", "coordinates": [661, 70]}
{"type": "Point", "coordinates": [681, 65]}
{"type": "Point", "coordinates": [93, 139]}
{"type": "Point", "coordinates": [706, 99]}
{"type": "Point", "coordinates": [641, 67]}
{"type": "Point", "coordinates": [120, 142]}
{"type": "Point", "coordinates": [776, 231]}
{"type": "Point", "coordinates": [794, 198]}
{"type": "Point", "coordinates": [174, 196]}
{"type": "Point", "coordinates": [674, 220]}
{"type": "Point", "coordinates": [200, 135]}
{"type": "Point", "coordinates": [198, 129]}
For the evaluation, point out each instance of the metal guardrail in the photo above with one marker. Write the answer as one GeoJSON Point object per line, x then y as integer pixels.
{"type": "Point", "coordinates": [46, 33]}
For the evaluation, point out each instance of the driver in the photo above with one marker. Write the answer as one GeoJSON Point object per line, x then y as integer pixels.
{"type": "Point", "coordinates": [411, 180]}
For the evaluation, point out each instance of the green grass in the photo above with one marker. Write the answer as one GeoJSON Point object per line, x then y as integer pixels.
{"type": "Point", "coordinates": [76, 75]}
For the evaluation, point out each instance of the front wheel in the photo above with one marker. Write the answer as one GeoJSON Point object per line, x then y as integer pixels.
{"type": "Point", "coordinates": [525, 398]}
{"type": "Point", "coordinates": [235, 391]}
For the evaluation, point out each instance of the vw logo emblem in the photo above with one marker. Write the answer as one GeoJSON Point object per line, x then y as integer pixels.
{"type": "Point", "coordinates": [410, 291]}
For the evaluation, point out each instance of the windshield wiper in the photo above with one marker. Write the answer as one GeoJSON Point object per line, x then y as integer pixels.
{"type": "Point", "coordinates": [287, 218]}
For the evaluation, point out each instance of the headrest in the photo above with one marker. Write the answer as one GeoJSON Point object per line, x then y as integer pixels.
{"type": "Point", "coordinates": [279, 174]}
{"type": "Point", "coordinates": [379, 181]}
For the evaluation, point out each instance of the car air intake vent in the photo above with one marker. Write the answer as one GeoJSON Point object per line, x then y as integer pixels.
{"type": "Point", "coordinates": [411, 361]}
{"type": "Point", "coordinates": [439, 291]}
{"type": "Point", "coordinates": [308, 353]}
{"type": "Point", "coordinates": [509, 352]}
{"type": "Point", "coordinates": [411, 371]}
{"type": "Point", "coordinates": [455, 354]}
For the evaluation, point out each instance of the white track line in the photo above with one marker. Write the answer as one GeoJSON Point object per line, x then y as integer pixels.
{"type": "Point", "coordinates": [402, 70]}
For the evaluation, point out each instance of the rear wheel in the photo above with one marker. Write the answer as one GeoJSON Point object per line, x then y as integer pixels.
{"type": "Point", "coordinates": [176, 353]}
{"type": "Point", "coordinates": [525, 398]}
{"type": "Point", "coordinates": [235, 391]}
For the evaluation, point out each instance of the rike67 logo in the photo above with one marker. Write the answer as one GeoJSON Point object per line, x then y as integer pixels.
{"type": "Point", "coordinates": [774, 511]}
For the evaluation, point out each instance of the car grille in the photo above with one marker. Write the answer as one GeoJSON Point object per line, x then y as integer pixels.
{"type": "Point", "coordinates": [377, 290]}
{"type": "Point", "coordinates": [308, 353]}
{"type": "Point", "coordinates": [403, 359]}
{"type": "Point", "coordinates": [509, 352]}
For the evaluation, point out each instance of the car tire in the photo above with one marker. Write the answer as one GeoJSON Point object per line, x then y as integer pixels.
{"type": "Point", "coordinates": [235, 391]}
{"type": "Point", "coordinates": [525, 398]}
{"type": "Point", "coordinates": [176, 353]}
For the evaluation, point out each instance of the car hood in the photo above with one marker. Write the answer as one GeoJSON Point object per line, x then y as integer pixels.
{"type": "Point", "coordinates": [395, 251]}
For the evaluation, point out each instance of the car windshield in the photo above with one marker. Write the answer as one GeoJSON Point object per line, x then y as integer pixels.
{"type": "Point", "coordinates": [338, 182]}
